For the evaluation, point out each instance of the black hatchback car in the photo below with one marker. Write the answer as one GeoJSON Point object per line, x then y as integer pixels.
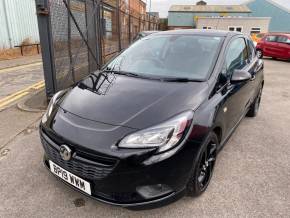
{"type": "Point", "coordinates": [149, 125]}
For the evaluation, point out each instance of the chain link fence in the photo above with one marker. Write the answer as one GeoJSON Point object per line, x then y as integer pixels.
{"type": "Point", "coordinates": [70, 51]}
{"type": "Point", "coordinates": [78, 36]}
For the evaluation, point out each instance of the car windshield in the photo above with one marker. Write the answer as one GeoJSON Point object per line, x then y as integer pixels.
{"type": "Point", "coordinates": [169, 56]}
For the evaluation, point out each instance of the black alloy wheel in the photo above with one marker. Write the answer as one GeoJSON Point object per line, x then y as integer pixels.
{"type": "Point", "coordinates": [260, 53]}
{"type": "Point", "coordinates": [206, 165]}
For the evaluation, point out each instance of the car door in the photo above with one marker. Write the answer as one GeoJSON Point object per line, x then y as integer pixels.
{"type": "Point", "coordinates": [238, 94]}
{"type": "Point", "coordinates": [283, 44]}
{"type": "Point", "coordinates": [270, 46]}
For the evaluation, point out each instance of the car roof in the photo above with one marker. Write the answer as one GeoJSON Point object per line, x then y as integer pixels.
{"type": "Point", "coordinates": [278, 34]}
{"type": "Point", "coordinates": [211, 32]}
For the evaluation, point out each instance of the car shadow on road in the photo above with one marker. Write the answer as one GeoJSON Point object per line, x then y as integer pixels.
{"type": "Point", "coordinates": [275, 59]}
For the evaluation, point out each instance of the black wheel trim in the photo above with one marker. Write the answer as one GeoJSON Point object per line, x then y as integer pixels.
{"type": "Point", "coordinates": [259, 53]}
{"type": "Point", "coordinates": [206, 166]}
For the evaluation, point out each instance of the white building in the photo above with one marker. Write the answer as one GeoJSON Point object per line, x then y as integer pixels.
{"type": "Point", "coordinates": [247, 25]}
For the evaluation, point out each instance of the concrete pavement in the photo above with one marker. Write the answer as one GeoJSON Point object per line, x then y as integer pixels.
{"type": "Point", "coordinates": [251, 178]}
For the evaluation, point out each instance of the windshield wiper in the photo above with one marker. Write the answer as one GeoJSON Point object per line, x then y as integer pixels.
{"type": "Point", "coordinates": [120, 72]}
{"type": "Point", "coordinates": [167, 79]}
{"type": "Point", "coordinates": [180, 79]}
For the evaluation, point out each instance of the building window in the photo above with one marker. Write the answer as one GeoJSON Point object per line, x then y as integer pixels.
{"type": "Point", "coordinates": [255, 30]}
{"type": "Point", "coordinates": [236, 28]}
{"type": "Point", "coordinates": [207, 27]}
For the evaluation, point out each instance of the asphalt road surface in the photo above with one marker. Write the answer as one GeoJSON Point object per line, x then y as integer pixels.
{"type": "Point", "coordinates": [16, 78]}
{"type": "Point", "coordinates": [251, 178]}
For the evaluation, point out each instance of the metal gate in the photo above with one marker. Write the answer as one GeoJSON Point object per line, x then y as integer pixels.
{"type": "Point", "coordinates": [78, 36]}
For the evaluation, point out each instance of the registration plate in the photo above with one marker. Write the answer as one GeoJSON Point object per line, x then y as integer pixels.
{"type": "Point", "coordinates": [72, 179]}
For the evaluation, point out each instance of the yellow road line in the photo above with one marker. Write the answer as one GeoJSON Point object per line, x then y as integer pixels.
{"type": "Point", "coordinates": [10, 69]}
{"type": "Point", "coordinates": [39, 86]}
{"type": "Point", "coordinates": [34, 86]}
{"type": "Point", "coordinates": [17, 95]}
{"type": "Point", "coordinates": [13, 99]}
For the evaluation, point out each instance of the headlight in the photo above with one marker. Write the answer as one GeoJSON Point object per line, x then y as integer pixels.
{"type": "Point", "coordinates": [163, 136]}
{"type": "Point", "coordinates": [50, 106]}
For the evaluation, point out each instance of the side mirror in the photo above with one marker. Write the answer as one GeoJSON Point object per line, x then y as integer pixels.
{"type": "Point", "coordinates": [240, 76]}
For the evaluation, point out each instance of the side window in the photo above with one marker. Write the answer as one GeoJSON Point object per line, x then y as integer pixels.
{"type": "Point", "coordinates": [251, 49]}
{"type": "Point", "coordinates": [236, 57]}
{"type": "Point", "coordinates": [271, 38]}
{"type": "Point", "coordinates": [283, 39]}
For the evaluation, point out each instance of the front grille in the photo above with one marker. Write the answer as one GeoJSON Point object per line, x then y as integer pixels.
{"type": "Point", "coordinates": [80, 166]}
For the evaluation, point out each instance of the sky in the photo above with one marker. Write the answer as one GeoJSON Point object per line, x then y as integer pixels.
{"type": "Point", "coordinates": [162, 6]}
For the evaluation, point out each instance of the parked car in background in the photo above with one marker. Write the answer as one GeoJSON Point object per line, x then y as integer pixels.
{"type": "Point", "coordinates": [148, 127]}
{"type": "Point", "coordinates": [143, 34]}
{"type": "Point", "coordinates": [275, 45]}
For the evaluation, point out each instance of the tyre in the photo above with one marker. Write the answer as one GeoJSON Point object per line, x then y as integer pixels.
{"type": "Point", "coordinates": [254, 108]}
{"type": "Point", "coordinates": [259, 53]}
{"type": "Point", "coordinates": [203, 166]}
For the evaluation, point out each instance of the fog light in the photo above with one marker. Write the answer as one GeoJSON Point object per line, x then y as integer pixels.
{"type": "Point", "coordinates": [154, 191]}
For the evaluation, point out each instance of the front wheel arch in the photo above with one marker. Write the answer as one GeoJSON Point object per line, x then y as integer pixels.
{"type": "Point", "coordinates": [219, 133]}
{"type": "Point", "coordinates": [193, 186]}
{"type": "Point", "coordinates": [260, 53]}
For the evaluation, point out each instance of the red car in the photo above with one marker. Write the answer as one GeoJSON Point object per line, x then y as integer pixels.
{"type": "Point", "coordinates": [275, 45]}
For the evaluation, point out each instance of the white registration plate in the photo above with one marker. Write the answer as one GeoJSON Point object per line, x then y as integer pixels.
{"type": "Point", "coordinates": [70, 178]}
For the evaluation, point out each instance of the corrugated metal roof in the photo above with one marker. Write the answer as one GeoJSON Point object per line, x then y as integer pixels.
{"type": "Point", "coordinates": [210, 8]}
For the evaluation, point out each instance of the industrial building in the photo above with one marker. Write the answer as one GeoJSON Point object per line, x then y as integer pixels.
{"type": "Point", "coordinates": [280, 16]}
{"type": "Point", "coordinates": [18, 22]}
{"type": "Point", "coordinates": [247, 25]}
{"type": "Point", "coordinates": [251, 17]}
{"type": "Point", "coordinates": [186, 16]}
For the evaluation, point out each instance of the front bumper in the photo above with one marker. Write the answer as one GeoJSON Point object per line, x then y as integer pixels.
{"type": "Point", "coordinates": [124, 183]}
{"type": "Point", "coordinates": [144, 204]}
